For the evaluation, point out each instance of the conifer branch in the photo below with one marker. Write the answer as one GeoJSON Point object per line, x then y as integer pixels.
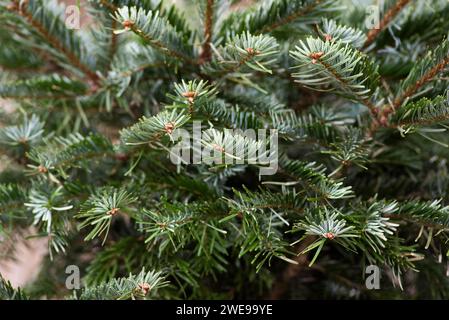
{"type": "Point", "coordinates": [302, 11]}
{"type": "Point", "coordinates": [388, 17]}
{"type": "Point", "coordinates": [271, 15]}
{"type": "Point", "coordinates": [333, 66]}
{"type": "Point", "coordinates": [422, 112]}
{"type": "Point", "coordinates": [208, 26]}
{"type": "Point", "coordinates": [155, 30]}
{"type": "Point", "coordinates": [215, 224]}
{"type": "Point", "coordinates": [22, 9]}
{"type": "Point", "coordinates": [8, 292]}
{"type": "Point", "coordinates": [429, 76]}
{"type": "Point", "coordinates": [422, 73]}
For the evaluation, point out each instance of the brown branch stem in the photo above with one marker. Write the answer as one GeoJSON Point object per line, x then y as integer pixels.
{"type": "Point", "coordinates": [208, 24]}
{"type": "Point", "coordinates": [388, 17]}
{"type": "Point", "coordinates": [55, 43]}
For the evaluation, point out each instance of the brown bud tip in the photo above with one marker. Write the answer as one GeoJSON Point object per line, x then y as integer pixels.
{"type": "Point", "coordinates": [327, 37]}
{"type": "Point", "coordinates": [252, 52]}
{"type": "Point", "coordinates": [169, 127]}
{"type": "Point", "coordinates": [23, 140]}
{"type": "Point", "coordinates": [113, 211]}
{"type": "Point", "coordinates": [42, 169]}
{"type": "Point", "coordinates": [144, 288]}
{"type": "Point", "coordinates": [316, 55]}
{"type": "Point", "coordinates": [189, 94]}
{"type": "Point", "coordinates": [329, 235]}
{"type": "Point", "coordinates": [127, 24]}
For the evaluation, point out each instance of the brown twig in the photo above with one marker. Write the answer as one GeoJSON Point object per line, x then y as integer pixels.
{"type": "Point", "coordinates": [206, 54]}
{"type": "Point", "coordinates": [113, 47]}
{"type": "Point", "coordinates": [161, 47]}
{"type": "Point", "coordinates": [423, 80]}
{"type": "Point", "coordinates": [391, 109]}
{"type": "Point", "coordinates": [390, 15]}
{"type": "Point", "coordinates": [55, 43]}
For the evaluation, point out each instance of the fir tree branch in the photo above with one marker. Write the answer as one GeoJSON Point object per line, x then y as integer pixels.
{"type": "Point", "coordinates": [142, 286]}
{"type": "Point", "coordinates": [271, 15]}
{"type": "Point", "coordinates": [388, 17]}
{"type": "Point", "coordinates": [156, 31]}
{"type": "Point", "coordinates": [243, 50]}
{"type": "Point", "coordinates": [22, 10]}
{"type": "Point", "coordinates": [208, 26]}
{"type": "Point", "coordinates": [8, 292]}
{"type": "Point", "coordinates": [422, 73]}
{"type": "Point", "coordinates": [422, 112]}
{"type": "Point", "coordinates": [44, 87]}
{"type": "Point", "coordinates": [429, 76]}
{"type": "Point", "coordinates": [345, 70]}
{"type": "Point", "coordinates": [302, 11]}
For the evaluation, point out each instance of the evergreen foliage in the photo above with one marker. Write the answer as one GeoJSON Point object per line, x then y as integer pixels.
{"type": "Point", "coordinates": [89, 119]}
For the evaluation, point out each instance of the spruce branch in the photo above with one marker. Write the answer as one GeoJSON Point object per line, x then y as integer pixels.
{"type": "Point", "coordinates": [252, 203]}
{"type": "Point", "coordinates": [46, 205]}
{"type": "Point", "coordinates": [168, 11]}
{"type": "Point", "coordinates": [319, 125]}
{"type": "Point", "coordinates": [230, 116]}
{"type": "Point", "coordinates": [175, 225]}
{"type": "Point", "coordinates": [220, 228]}
{"type": "Point", "coordinates": [434, 213]}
